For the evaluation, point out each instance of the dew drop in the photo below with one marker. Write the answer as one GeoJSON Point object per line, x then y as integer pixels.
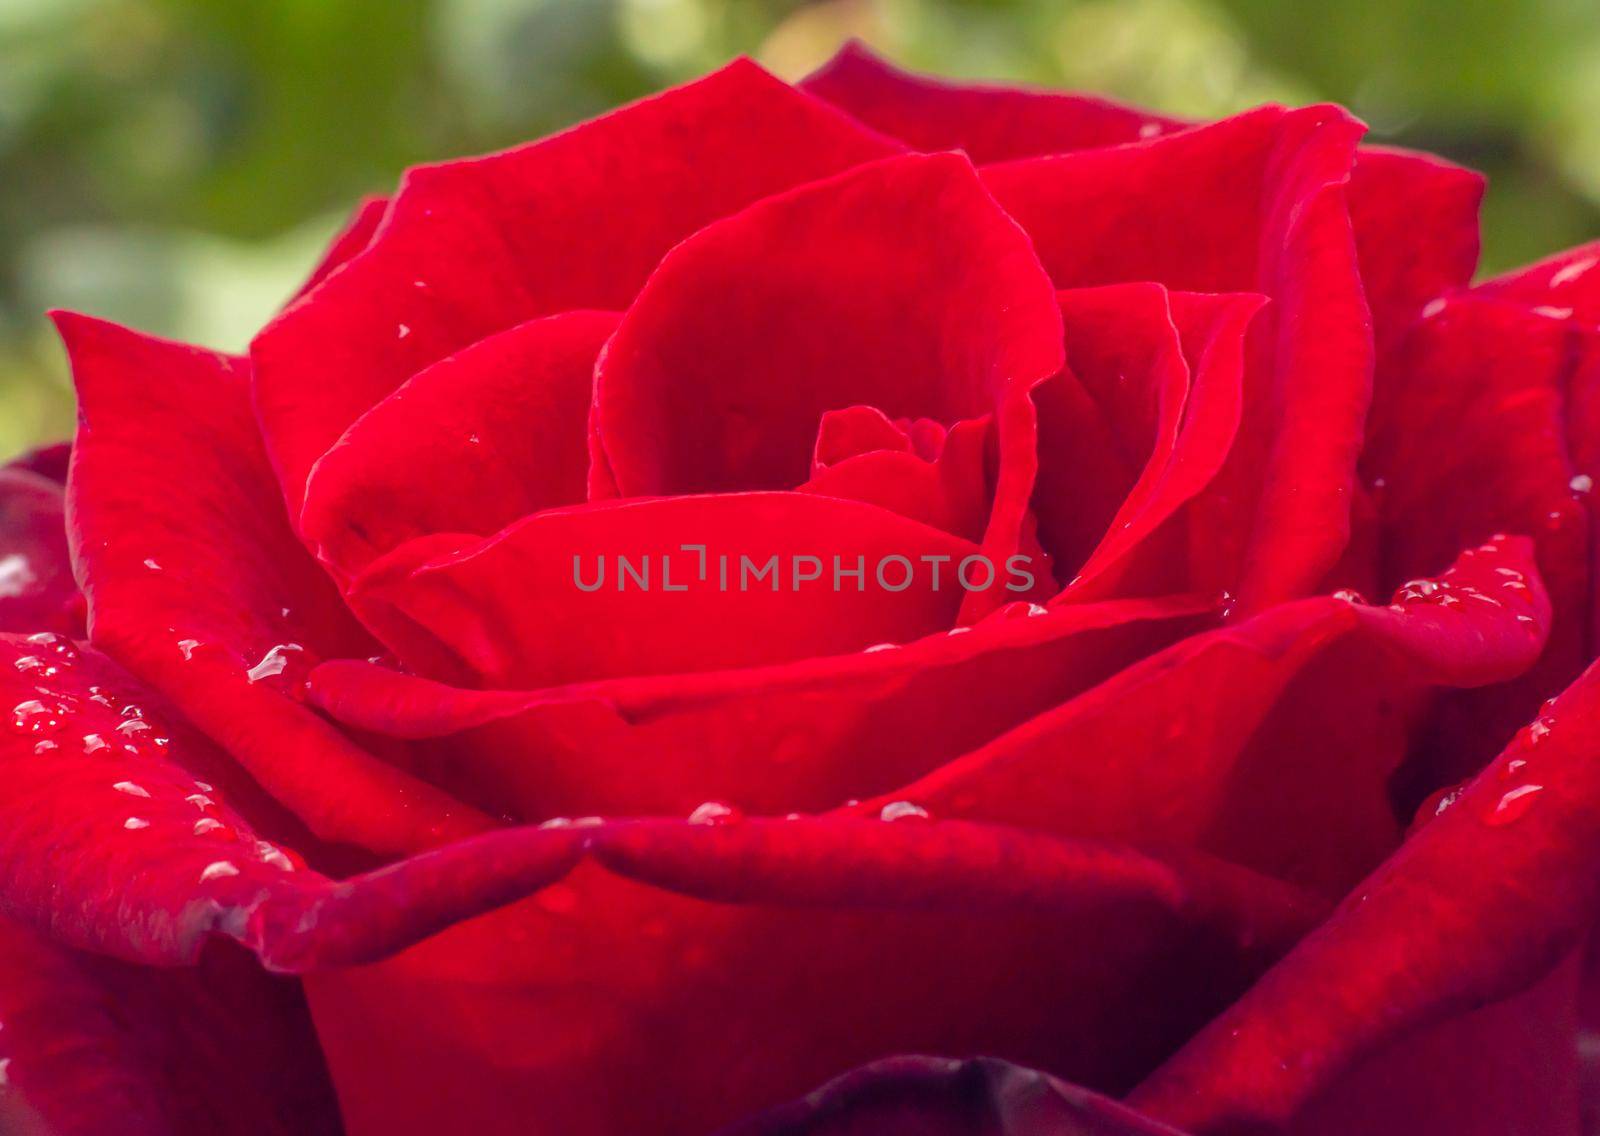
{"type": "Point", "coordinates": [133, 824]}
{"type": "Point", "coordinates": [1350, 595]}
{"type": "Point", "coordinates": [205, 825]}
{"type": "Point", "coordinates": [220, 869]}
{"type": "Point", "coordinates": [1514, 804]}
{"type": "Point", "coordinates": [903, 810]}
{"type": "Point", "coordinates": [64, 649]}
{"type": "Point", "coordinates": [94, 743]}
{"type": "Point", "coordinates": [36, 667]}
{"type": "Point", "coordinates": [131, 789]}
{"type": "Point", "coordinates": [37, 717]}
{"type": "Point", "coordinates": [880, 647]}
{"type": "Point", "coordinates": [1582, 483]}
{"type": "Point", "coordinates": [274, 662]}
{"type": "Point", "coordinates": [187, 648]}
{"type": "Point", "coordinates": [715, 812]}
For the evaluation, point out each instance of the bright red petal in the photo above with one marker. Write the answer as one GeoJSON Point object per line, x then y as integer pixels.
{"type": "Point", "coordinates": [473, 247]}
{"type": "Point", "coordinates": [197, 585]}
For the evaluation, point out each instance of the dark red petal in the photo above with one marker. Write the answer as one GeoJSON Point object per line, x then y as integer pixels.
{"type": "Point", "coordinates": [802, 736]}
{"type": "Point", "coordinates": [900, 285]}
{"type": "Point", "coordinates": [1480, 903]}
{"type": "Point", "coordinates": [950, 491]}
{"type": "Point", "coordinates": [473, 247]}
{"type": "Point", "coordinates": [1134, 428]}
{"type": "Point", "coordinates": [992, 123]}
{"type": "Point", "coordinates": [130, 854]}
{"type": "Point", "coordinates": [37, 591]}
{"type": "Point", "coordinates": [48, 461]}
{"type": "Point", "coordinates": [96, 1047]}
{"type": "Point", "coordinates": [477, 440]}
{"type": "Point", "coordinates": [932, 1096]}
{"type": "Point", "coordinates": [549, 601]}
{"type": "Point", "coordinates": [1416, 224]}
{"type": "Point", "coordinates": [1258, 740]}
{"type": "Point", "coordinates": [349, 242]}
{"type": "Point", "coordinates": [1468, 437]}
{"type": "Point", "coordinates": [1250, 204]}
{"type": "Point", "coordinates": [194, 579]}
{"type": "Point", "coordinates": [862, 938]}
{"type": "Point", "coordinates": [1564, 286]}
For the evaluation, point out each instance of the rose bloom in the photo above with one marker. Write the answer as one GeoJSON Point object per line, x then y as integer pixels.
{"type": "Point", "coordinates": [331, 803]}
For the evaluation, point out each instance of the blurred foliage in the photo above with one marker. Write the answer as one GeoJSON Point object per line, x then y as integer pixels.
{"type": "Point", "coordinates": [175, 164]}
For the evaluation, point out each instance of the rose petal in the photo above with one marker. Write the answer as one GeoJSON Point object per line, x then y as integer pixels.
{"type": "Point", "coordinates": [1254, 203]}
{"type": "Point", "coordinates": [933, 1096]}
{"type": "Point", "coordinates": [473, 247]}
{"type": "Point", "coordinates": [1564, 286]}
{"type": "Point", "coordinates": [799, 736]}
{"type": "Point", "coordinates": [1137, 426]}
{"type": "Point", "coordinates": [37, 590]}
{"type": "Point", "coordinates": [549, 600]}
{"type": "Point", "coordinates": [992, 123]}
{"type": "Point", "coordinates": [1467, 439]}
{"type": "Point", "coordinates": [1416, 224]}
{"type": "Point", "coordinates": [1415, 216]}
{"type": "Point", "coordinates": [1479, 904]}
{"type": "Point", "coordinates": [900, 285]}
{"type": "Point", "coordinates": [350, 241]}
{"type": "Point", "coordinates": [1189, 746]}
{"type": "Point", "coordinates": [469, 445]}
{"type": "Point", "coordinates": [197, 585]}
{"type": "Point", "coordinates": [951, 491]}
{"type": "Point", "coordinates": [96, 1047]}
{"type": "Point", "coordinates": [863, 938]}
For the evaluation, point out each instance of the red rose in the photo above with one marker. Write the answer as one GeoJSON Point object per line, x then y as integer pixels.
{"type": "Point", "coordinates": [414, 668]}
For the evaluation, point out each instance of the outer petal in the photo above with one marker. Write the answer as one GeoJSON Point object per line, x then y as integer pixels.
{"type": "Point", "coordinates": [1415, 216]}
{"type": "Point", "coordinates": [799, 736]}
{"type": "Point", "coordinates": [109, 841]}
{"type": "Point", "coordinates": [1480, 903]}
{"type": "Point", "coordinates": [96, 1047]}
{"type": "Point", "coordinates": [938, 1097]}
{"type": "Point", "coordinates": [349, 242]}
{"type": "Point", "coordinates": [469, 445]}
{"type": "Point", "coordinates": [1254, 203]}
{"type": "Point", "coordinates": [1467, 439]}
{"type": "Point", "coordinates": [992, 123]}
{"type": "Point", "coordinates": [37, 591]}
{"type": "Point", "coordinates": [473, 247]}
{"type": "Point", "coordinates": [197, 585]}
{"type": "Point", "coordinates": [863, 938]}
{"type": "Point", "coordinates": [1258, 740]}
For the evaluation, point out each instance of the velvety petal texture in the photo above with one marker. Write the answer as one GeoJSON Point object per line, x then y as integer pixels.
{"type": "Point", "coordinates": [550, 686]}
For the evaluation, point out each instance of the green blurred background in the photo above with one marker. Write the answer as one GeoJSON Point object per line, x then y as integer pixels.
{"type": "Point", "coordinates": [175, 164]}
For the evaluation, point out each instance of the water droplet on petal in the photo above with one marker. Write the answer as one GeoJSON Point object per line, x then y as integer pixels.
{"type": "Point", "coordinates": [1514, 804]}
{"type": "Point", "coordinates": [205, 825]}
{"type": "Point", "coordinates": [64, 649]}
{"type": "Point", "coordinates": [37, 717]}
{"type": "Point", "coordinates": [94, 743]}
{"type": "Point", "coordinates": [1582, 483]}
{"type": "Point", "coordinates": [221, 869]}
{"type": "Point", "coordinates": [133, 824]}
{"type": "Point", "coordinates": [187, 648]}
{"type": "Point", "coordinates": [274, 662]}
{"type": "Point", "coordinates": [880, 647]}
{"type": "Point", "coordinates": [903, 810]}
{"type": "Point", "coordinates": [36, 667]}
{"type": "Point", "coordinates": [1350, 595]}
{"type": "Point", "coordinates": [715, 812]}
{"type": "Point", "coordinates": [131, 789]}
